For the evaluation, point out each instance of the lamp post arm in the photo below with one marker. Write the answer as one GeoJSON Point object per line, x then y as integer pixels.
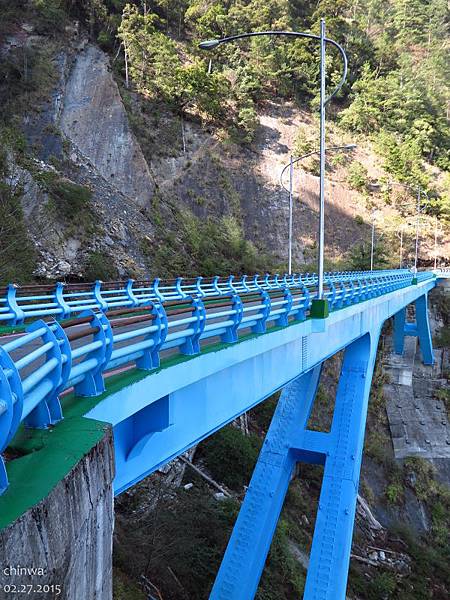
{"type": "Point", "coordinates": [307, 155]}
{"type": "Point", "coordinates": [210, 44]}
{"type": "Point", "coordinates": [295, 160]}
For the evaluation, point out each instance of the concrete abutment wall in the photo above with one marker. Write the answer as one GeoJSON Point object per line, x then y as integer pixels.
{"type": "Point", "coordinates": [62, 547]}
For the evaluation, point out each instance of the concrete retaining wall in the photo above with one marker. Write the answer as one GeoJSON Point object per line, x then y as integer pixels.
{"type": "Point", "coordinates": [62, 547]}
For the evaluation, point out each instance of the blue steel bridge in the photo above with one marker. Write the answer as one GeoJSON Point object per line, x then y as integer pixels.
{"type": "Point", "coordinates": [168, 363]}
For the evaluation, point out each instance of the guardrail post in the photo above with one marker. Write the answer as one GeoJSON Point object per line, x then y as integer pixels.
{"type": "Point", "coordinates": [130, 293]}
{"type": "Point", "coordinates": [14, 412]}
{"type": "Point", "coordinates": [340, 295]}
{"type": "Point", "coordinates": [97, 289]}
{"type": "Point", "coordinates": [231, 288]}
{"type": "Point", "coordinates": [215, 284]}
{"type": "Point", "coordinates": [178, 282]}
{"type": "Point", "coordinates": [48, 411]}
{"type": "Point", "coordinates": [360, 290]}
{"type": "Point", "coordinates": [231, 333]}
{"type": "Point", "coordinates": [6, 417]}
{"type": "Point", "coordinates": [256, 282]}
{"type": "Point", "coordinates": [156, 291]}
{"type": "Point", "coordinates": [60, 301]}
{"type": "Point", "coordinates": [283, 320]}
{"type": "Point", "coordinates": [351, 293]}
{"type": "Point", "coordinates": [260, 325]}
{"type": "Point", "coordinates": [296, 279]}
{"type": "Point", "coordinates": [244, 283]}
{"type": "Point", "coordinates": [150, 358]}
{"type": "Point", "coordinates": [93, 383]}
{"type": "Point", "coordinates": [332, 300]}
{"type": "Point", "coordinates": [301, 313]}
{"type": "Point", "coordinates": [198, 286]}
{"type": "Point", "coordinates": [192, 343]}
{"type": "Point", "coordinates": [11, 302]}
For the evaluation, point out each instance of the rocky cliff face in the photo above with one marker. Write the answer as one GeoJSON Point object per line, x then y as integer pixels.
{"type": "Point", "coordinates": [145, 166]}
{"type": "Point", "coordinates": [94, 120]}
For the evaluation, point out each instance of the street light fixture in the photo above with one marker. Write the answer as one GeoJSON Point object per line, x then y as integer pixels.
{"type": "Point", "coordinates": [290, 166]}
{"type": "Point", "coordinates": [373, 239]}
{"type": "Point", "coordinates": [400, 235]}
{"type": "Point", "coordinates": [320, 307]}
{"type": "Point", "coordinates": [436, 231]}
{"type": "Point", "coordinates": [419, 209]}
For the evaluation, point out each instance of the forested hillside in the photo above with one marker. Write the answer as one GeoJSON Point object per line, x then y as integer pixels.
{"type": "Point", "coordinates": [126, 151]}
{"type": "Point", "coordinates": [397, 91]}
{"type": "Point", "coordinates": [201, 119]}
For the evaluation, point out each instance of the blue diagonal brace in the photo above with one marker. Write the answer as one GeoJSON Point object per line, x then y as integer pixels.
{"type": "Point", "coordinates": [423, 330]}
{"type": "Point", "coordinates": [249, 544]}
{"type": "Point", "coordinates": [330, 551]}
{"type": "Point", "coordinates": [399, 330]}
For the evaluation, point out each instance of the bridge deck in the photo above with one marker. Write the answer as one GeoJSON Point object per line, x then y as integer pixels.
{"type": "Point", "coordinates": [162, 409]}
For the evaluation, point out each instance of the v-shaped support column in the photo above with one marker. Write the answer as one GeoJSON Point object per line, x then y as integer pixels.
{"type": "Point", "coordinates": [249, 544]}
{"type": "Point", "coordinates": [421, 329]}
{"type": "Point", "coordinates": [330, 551]}
{"type": "Point", "coordinates": [287, 442]}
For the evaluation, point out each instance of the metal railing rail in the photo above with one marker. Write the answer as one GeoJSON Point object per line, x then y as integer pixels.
{"type": "Point", "coordinates": [52, 356]}
{"type": "Point", "coordinates": [20, 304]}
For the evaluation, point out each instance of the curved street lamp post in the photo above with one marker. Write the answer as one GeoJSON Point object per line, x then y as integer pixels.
{"type": "Point", "coordinates": [290, 166]}
{"type": "Point", "coordinates": [419, 209]}
{"type": "Point", "coordinates": [373, 240]}
{"type": "Point", "coordinates": [320, 308]}
{"type": "Point", "coordinates": [437, 230]}
{"type": "Point", "coordinates": [401, 246]}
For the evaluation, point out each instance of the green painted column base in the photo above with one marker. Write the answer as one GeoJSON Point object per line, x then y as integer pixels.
{"type": "Point", "coordinates": [319, 309]}
{"type": "Point", "coordinates": [414, 281]}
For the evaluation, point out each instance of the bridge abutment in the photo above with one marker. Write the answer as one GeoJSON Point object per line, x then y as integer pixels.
{"type": "Point", "coordinates": [61, 546]}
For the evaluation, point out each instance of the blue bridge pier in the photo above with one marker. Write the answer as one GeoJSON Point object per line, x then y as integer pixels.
{"type": "Point", "coordinates": [196, 361]}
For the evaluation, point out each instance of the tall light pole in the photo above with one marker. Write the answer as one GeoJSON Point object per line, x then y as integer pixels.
{"type": "Point", "coordinates": [435, 241]}
{"type": "Point", "coordinates": [322, 161]}
{"type": "Point", "coordinates": [290, 166]}
{"type": "Point", "coordinates": [373, 240]}
{"type": "Point", "coordinates": [417, 231]}
{"type": "Point", "coordinates": [291, 181]}
{"type": "Point", "coordinates": [320, 307]}
{"type": "Point", "coordinates": [436, 231]}
{"type": "Point", "coordinates": [419, 210]}
{"type": "Point", "coordinates": [401, 247]}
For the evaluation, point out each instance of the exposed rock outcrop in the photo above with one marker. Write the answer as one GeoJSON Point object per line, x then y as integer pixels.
{"type": "Point", "coordinates": [94, 119]}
